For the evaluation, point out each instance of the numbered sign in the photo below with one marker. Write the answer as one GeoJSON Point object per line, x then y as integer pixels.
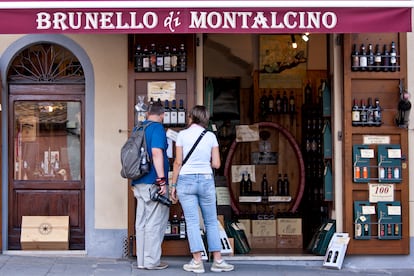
{"type": "Point", "coordinates": [381, 192]}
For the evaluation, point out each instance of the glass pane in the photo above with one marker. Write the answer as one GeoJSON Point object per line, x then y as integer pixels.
{"type": "Point", "coordinates": [47, 140]}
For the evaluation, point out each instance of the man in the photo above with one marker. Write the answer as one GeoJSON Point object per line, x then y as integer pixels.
{"type": "Point", "coordinates": [152, 216]}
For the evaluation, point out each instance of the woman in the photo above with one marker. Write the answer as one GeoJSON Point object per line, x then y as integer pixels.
{"type": "Point", "coordinates": [193, 185]}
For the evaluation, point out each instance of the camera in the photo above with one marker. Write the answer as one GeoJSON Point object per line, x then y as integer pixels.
{"type": "Point", "coordinates": [155, 196]}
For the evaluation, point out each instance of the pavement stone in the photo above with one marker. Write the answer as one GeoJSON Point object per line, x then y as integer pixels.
{"type": "Point", "coordinates": [90, 266]}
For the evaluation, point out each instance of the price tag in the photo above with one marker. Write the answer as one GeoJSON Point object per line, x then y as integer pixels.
{"type": "Point", "coordinates": [394, 153]}
{"type": "Point", "coordinates": [381, 192]}
{"type": "Point", "coordinates": [367, 153]}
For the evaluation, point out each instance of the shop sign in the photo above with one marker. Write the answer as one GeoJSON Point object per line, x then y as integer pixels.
{"type": "Point", "coordinates": [205, 20]}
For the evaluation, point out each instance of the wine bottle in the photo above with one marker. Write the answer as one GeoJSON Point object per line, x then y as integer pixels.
{"type": "Point", "coordinates": [363, 60]}
{"type": "Point", "coordinates": [175, 225]}
{"type": "Point", "coordinates": [308, 92]}
{"type": "Point", "coordinates": [153, 58]}
{"type": "Point", "coordinates": [278, 103]}
{"type": "Point", "coordinates": [173, 114]}
{"type": "Point", "coordinates": [249, 185]}
{"type": "Point", "coordinates": [182, 59]}
{"type": "Point", "coordinates": [370, 58]}
{"type": "Point", "coordinates": [265, 185]}
{"type": "Point", "coordinates": [292, 107]}
{"type": "Point", "coordinates": [285, 103]}
{"type": "Point", "coordinates": [363, 113]}
{"type": "Point", "coordinates": [370, 113]}
{"type": "Point", "coordinates": [378, 58]}
{"type": "Point", "coordinates": [377, 113]}
{"type": "Point", "coordinates": [146, 64]}
{"type": "Point", "coordinates": [167, 114]}
{"type": "Point", "coordinates": [285, 185]}
{"type": "Point", "coordinates": [385, 59]}
{"type": "Point", "coordinates": [182, 227]}
{"type": "Point", "coordinates": [354, 58]}
{"type": "Point", "coordinates": [138, 59]}
{"type": "Point", "coordinates": [270, 102]}
{"type": "Point", "coordinates": [167, 59]}
{"type": "Point", "coordinates": [263, 104]}
{"type": "Point", "coordinates": [160, 60]}
{"type": "Point", "coordinates": [242, 187]}
{"type": "Point", "coordinates": [181, 114]}
{"type": "Point", "coordinates": [174, 60]}
{"type": "Point", "coordinates": [279, 185]}
{"type": "Point", "coordinates": [393, 57]}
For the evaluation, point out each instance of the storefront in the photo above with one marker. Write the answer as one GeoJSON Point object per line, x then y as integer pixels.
{"type": "Point", "coordinates": [68, 164]}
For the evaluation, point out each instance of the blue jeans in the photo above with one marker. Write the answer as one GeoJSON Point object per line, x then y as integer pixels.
{"type": "Point", "coordinates": [198, 190]}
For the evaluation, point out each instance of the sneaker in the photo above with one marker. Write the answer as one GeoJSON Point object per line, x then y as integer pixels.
{"type": "Point", "coordinates": [195, 267]}
{"type": "Point", "coordinates": [158, 267]}
{"type": "Point", "coordinates": [221, 266]}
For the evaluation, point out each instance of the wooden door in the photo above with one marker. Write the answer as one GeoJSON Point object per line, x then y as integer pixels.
{"type": "Point", "coordinates": [46, 153]}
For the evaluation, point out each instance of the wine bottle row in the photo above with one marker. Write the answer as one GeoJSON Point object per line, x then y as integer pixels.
{"type": "Point", "coordinates": [173, 116]}
{"type": "Point", "coordinates": [282, 104]}
{"type": "Point", "coordinates": [163, 59]}
{"type": "Point", "coordinates": [367, 115]}
{"type": "Point", "coordinates": [176, 227]}
{"type": "Point", "coordinates": [282, 186]}
{"type": "Point", "coordinates": [364, 59]}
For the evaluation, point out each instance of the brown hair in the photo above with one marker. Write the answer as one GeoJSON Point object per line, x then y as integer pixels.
{"type": "Point", "coordinates": [200, 115]}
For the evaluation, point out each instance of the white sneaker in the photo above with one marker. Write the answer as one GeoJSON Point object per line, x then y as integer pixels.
{"type": "Point", "coordinates": [195, 267]}
{"type": "Point", "coordinates": [221, 266]}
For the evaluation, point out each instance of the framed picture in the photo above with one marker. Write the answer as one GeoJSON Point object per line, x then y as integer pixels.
{"type": "Point", "coordinates": [282, 63]}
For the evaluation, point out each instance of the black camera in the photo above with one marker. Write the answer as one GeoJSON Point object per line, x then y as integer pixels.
{"type": "Point", "coordinates": [155, 196]}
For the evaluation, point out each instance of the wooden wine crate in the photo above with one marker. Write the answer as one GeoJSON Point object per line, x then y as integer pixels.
{"type": "Point", "coordinates": [45, 233]}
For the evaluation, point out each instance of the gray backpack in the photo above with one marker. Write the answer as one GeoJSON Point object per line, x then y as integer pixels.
{"type": "Point", "coordinates": [135, 160]}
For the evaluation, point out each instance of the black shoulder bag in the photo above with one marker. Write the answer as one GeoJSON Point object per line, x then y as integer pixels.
{"type": "Point", "coordinates": [194, 146]}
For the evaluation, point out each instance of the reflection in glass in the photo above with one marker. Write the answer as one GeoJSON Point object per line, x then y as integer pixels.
{"type": "Point", "coordinates": [47, 140]}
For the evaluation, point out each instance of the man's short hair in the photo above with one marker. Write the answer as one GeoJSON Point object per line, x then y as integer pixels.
{"type": "Point", "coordinates": [155, 108]}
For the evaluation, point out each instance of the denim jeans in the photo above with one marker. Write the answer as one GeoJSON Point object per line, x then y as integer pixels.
{"type": "Point", "coordinates": [198, 190]}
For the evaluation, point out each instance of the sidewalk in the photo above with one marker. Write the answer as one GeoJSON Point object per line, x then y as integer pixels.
{"type": "Point", "coordinates": [80, 266]}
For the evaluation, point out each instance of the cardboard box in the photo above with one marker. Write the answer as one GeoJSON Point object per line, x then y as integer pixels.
{"type": "Point", "coordinates": [264, 228]}
{"type": "Point", "coordinates": [246, 225]}
{"type": "Point", "coordinates": [289, 226]}
{"type": "Point", "coordinates": [263, 242]}
{"type": "Point", "coordinates": [289, 241]}
{"type": "Point", "coordinates": [45, 233]}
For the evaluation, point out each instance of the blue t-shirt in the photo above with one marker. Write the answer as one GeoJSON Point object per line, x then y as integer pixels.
{"type": "Point", "coordinates": [155, 137]}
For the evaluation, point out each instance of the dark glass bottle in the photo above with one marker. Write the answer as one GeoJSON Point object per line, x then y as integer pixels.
{"type": "Point", "coordinates": [354, 58]}
{"type": "Point", "coordinates": [285, 103]}
{"type": "Point", "coordinates": [377, 113]}
{"type": "Point", "coordinates": [370, 58]}
{"type": "Point", "coordinates": [249, 185]}
{"type": "Point", "coordinates": [363, 59]}
{"type": "Point", "coordinates": [138, 59]}
{"type": "Point", "coordinates": [182, 59]}
{"type": "Point", "coordinates": [167, 59]}
{"type": "Point", "coordinates": [153, 58]}
{"type": "Point", "coordinates": [270, 102]}
{"type": "Point", "coordinates": [146, 64]}
{"type": "Point", "coordinates": [242, 187]}
{"type": "Point", "coordinates": [279, 185]}
{"type": "Point", "coordinates": [181, 114]}
{"type": "Point", "coordinates": [173, 114]}
{"type": "Point", "coordinates": [355, 114]}
{"type": "Point", "coordinates": [308, 92]}
{"type": "Point", "coordinates": [278, 103]}
{"type": "Point", "coordinates": [292, 107]}
{"type": "Point", "coordinates": [183, 227]}
{"type": "Point", "coordinates": [167, 114]}
{"type": "Point", "coordinates": [265, 186]}
{"type": "Point", "coordinates": [285, 185]}
{"type": "Point", "coordinates": [385, 59]}
{"type": "Point", "coordinates": [393, 57]}
{"type": "Point", "coordinates": [378, 58]}
{"type": "Point", "coordinates": [363, 113]}
{"type": "Point", "coordinates": [370, 113]}
{"type": "Point", "coordinates": [160, 60]}
{"type": "Point", "coordinates": [263, 104]}
{"type": "Point", "coordinates": [174, 60]}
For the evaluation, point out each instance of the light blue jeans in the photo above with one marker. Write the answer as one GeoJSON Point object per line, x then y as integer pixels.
{"type": "Point", "coordinates": [198, 190]}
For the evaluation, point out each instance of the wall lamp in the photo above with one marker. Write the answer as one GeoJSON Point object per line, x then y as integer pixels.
{"type": "Point", "coordinates": [305, 37]}
{"type": "Point", "coordinates": [294, 44]}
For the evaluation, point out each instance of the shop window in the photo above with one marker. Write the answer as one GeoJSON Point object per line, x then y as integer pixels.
{"type": "Point", "coordinates": [47, 140]}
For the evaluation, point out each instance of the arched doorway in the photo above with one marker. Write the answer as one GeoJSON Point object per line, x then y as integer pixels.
{"type": "Point", "coordinates": [46, 101]}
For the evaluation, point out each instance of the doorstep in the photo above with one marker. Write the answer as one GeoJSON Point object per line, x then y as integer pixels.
{"type": "Point", "coordinates": [46, 253]}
